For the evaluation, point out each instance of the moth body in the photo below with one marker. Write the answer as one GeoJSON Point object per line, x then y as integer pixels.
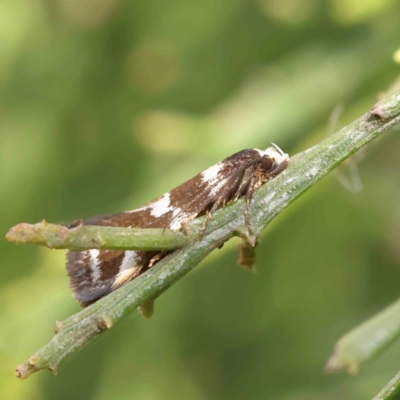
{"type": "Point", "coordinates": [95, 273]}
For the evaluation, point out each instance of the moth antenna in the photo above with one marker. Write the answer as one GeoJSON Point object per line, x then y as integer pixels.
{"type": "Point", "coordinates": [278, 148]}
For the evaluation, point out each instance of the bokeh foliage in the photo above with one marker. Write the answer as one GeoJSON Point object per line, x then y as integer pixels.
{"type": "Point", "coordinates": [107, 104]}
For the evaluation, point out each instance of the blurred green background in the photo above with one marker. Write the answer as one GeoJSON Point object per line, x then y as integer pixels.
{"type": "Point", "coordinates": [106, 104]}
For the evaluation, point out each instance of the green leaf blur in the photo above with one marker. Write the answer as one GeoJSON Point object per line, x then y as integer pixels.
{"type": "Point", "coordinates": [107, 104]}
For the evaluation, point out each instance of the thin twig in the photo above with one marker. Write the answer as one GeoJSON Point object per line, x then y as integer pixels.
{"type": "Point", "coordinates": [304, 171]}
{"type": "Point", "coordinates": [366, 341]}
{"type": "Point", "coordinates": [84, 237]}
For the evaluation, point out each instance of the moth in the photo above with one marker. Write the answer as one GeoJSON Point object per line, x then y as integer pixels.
{"type": "Point", "coordinates": [95, 273]}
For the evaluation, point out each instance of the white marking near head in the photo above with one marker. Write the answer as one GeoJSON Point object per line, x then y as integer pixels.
{"type": "Point", "coordinates": [161, 206]}
{"type": "Point", "coordinates": [94, 265]}
{"type": "Point", "coordinates": [276, 153]}
{"type": "Point", "coordinates": [211, 174]}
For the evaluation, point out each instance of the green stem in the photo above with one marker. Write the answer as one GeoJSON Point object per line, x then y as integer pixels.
{"type": "Point", "coordinates": [366, 340]}
{"type": "Point", "coordinates": [391, 391]}
{"type": "Point", "coordinates": [84, 237]}
{"type": "Point", "coordinates": [304, 171]}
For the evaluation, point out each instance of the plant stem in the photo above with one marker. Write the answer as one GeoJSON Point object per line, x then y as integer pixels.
{"type": "Point", "coordinates": [366, 340]}
{"type": "Point", "coordinates": [269, 200]}
{"type": "Point", "coordinates": [391, 391]}
{"type": "Point", "coordinates": [84, 237]}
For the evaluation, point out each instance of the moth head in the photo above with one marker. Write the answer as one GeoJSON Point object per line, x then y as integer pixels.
{"type": "Point", "coordinates": [274, 160]}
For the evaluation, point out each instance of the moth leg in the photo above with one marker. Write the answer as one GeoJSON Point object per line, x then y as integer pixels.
{"type": "Point", "coordinates": [237, 184]}
{"type": "Point", "coordinates": [209, 215]}
{"type": "Point", "coordinates": [244, 183]}
{"type": "Point", "coordinates": [249, 195]}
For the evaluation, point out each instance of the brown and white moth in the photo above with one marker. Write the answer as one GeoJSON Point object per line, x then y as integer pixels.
{"type": "Point", "coordinates": [95, 273]}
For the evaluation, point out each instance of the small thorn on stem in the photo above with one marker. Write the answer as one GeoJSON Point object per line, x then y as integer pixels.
{"type": "Point", "coordinates": [105, 322]}
{"type": "Point", "coordinates": [146, 309]}
{"type": "Point", "coordinates": [59, 326]}
{"type": "Point", "coordinates": [53, 370]}
{"type": "Point", "coordinates": [247, 256]}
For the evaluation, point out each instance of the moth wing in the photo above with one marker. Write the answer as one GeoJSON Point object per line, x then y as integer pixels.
{"type": "Point", "coordinates": [95, 273]}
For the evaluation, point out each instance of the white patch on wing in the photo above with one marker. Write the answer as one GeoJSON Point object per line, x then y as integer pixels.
{"type": "Point", "coordinates": [129, 259]}
{"type": "Point", "coordinates": [176, 211]}
{"type": "Point", "coordinates": [123, 277]}
{"type": "Point", "coordinates": [211, 174]}
{"type": "Point", "coordinates": [161, 206]}
{"type": "Point", "coordinates": [177, 219]}
{"type": "Point", "coordinates": [94, 265]}
{"type": "Point", "coordinates": [127, 269]}
{"type": "Point", "coordinates": [177, 223]}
